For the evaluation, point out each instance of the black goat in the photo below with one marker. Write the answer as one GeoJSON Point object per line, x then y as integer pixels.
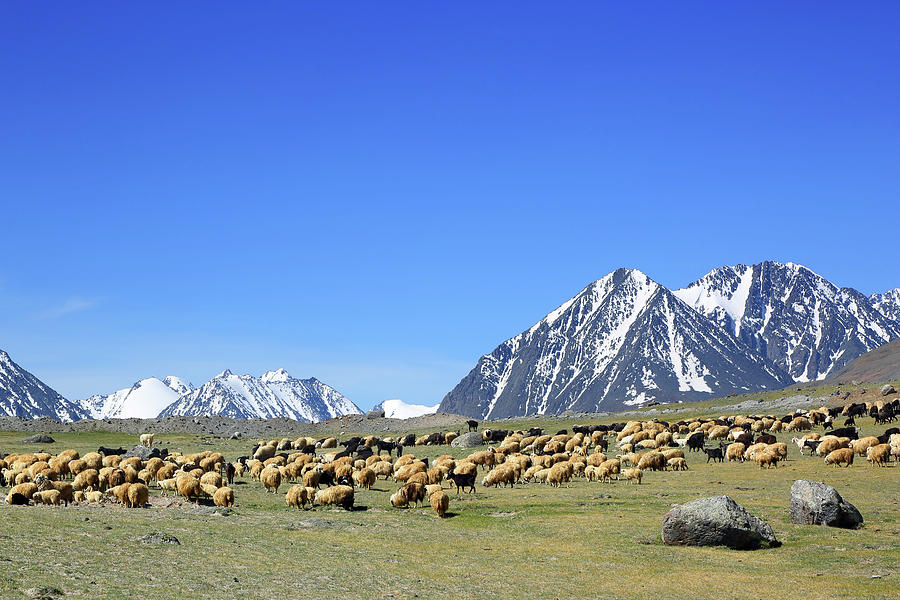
{"type": "Point", "coordinates": [111, 451]}
{"type": "Point", "coordinates": [473, 424]}
{"type": "Point", "coordinates": [714, 454]}
{"type": "Point", "coordinates": [695, 441]}
{"type": "Point", "coordinates": [463, 481]}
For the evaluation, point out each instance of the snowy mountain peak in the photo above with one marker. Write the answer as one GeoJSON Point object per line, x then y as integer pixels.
{"type": "Point", "coordinates": [792, 316]}
{"type": "Point", "coordinates": [624, 339]}
{"type": "Point", "coordinates": [274, 394]}
{"type": "Point", "coordinates": [277, 375]}
{"type": "Point", "coordinates": [887, 303]}
{"type": "Point", "coordinates": [398, 409]}
{"type": "Point", "coordinates": [143, 400]}
{"type": "Point", "coordinates": [24, 395]}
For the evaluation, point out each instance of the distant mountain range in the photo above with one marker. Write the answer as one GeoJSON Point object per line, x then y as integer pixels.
{"type": "Point", "coordinates": [274, 394]}
{"type": "Point", "coordinates": [626, 340]}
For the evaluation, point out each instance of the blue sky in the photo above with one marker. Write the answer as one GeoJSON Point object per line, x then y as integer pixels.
{"type": "Point", "coordinates": [377, 194]}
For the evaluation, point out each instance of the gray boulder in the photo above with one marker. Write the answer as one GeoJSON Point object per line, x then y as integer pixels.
{"type": "Point", "coordinates": [468, 440]}
{"type": "Point", "coordinates": [41, 438]}
{"type": "Point", "coordinates": [142, 452]}
{"type": "Point", "coordinates": [815, 503]}
{"type": "Point", "coordinates": [375, 414]}
{"type": "Point", "coordinates": [887, 389]}
{"type": "Point", "coordinates": [717, 521]}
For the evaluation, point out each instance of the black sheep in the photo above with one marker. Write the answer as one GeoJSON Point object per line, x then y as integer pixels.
{"type": "Point", "coordinates": [463, 481]}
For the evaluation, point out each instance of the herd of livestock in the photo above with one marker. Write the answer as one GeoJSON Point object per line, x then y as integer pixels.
{"type": "Point", "coordinates": [328, 471]}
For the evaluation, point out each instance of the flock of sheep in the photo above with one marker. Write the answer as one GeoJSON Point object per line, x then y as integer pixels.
{"type": "Point", "coordinates": [319, 473]}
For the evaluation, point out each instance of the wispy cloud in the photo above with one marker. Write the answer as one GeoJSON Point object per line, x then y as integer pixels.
{"type": "Point", "coordinates": [72, 305]}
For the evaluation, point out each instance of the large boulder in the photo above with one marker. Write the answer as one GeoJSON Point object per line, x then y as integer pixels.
{"type": "Point", "coordinates": [717, 521]}
{"type": "Point", "coordinates": [887, 389]}
{"type": "Point", "coordinates": [375, 413]}
{"type": "Point", "coordinates": [41, 438]}
{"type": "Point", "coordinates": [815, 503]}
{"type": "Point", "coordinates": [468, 440]}
{"type": "Point", "coordinates": [143, 452]}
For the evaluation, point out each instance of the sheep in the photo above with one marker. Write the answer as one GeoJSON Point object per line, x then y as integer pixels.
{"type": "Point", "coordinates": [270, 477]}
{"type": "Point", "coordinates": [224, 496]}
{"type": "Point", "coordinates": [88, 479]}
{"type": "Point", "coordinates": [878, 455]}
{"type": "Point", "coordinates": [830, 443]}
{"type": "Point", "coordinates": [188, 486]}
{"type": "Point", "coordinates": [609, 468]}
{"type": "Point", "coordinates": [670, 453]}
{"type": "Point", "coordinates": [79, 497]}
{"type": "Point", "coordinates": [504, 474]}
{"type": "Point", "coordinates": [94, 497]}
{"type": "Point", "coordinates": [211, 478]}
{"type": "Point", "coordinates": [399, 499]}
{"type": "Point", "coordinates": [298, 496]}
{"type": "Point", "coordinates": [146, 439]}
{"type": "Point", "coordinates": [798, 424]}
{"type": "Point", "coordinates": [558, 475]}
{"type": "Point", "coordinates": [654, 461]}
{"type": "Point", "coordinates": [364, 478]}
{"type": "Point", "coordinates": [383, 468]}
{"type": "Point", "coordinates": [341, 495]}
{"type": "Point", "coordinates": [51, 497]}
{"type": "Point", "coordinates": [419, 477]}
{"type": "Point", "coordinates": [841, 455]}
{"type": "Point", "coordinates": [138, 495]}
{"type": "Point", "coordinates": [861, 445]}
{"type": "Point", "coordinates": [311, 478]}
{"type": "Point", "coordinates": [120, 493]}
{"type": "Point", "coordinates": [735, 452]}
{"type": "Point", "coordinates": [440, 502]}
{"type": "Point", "coordinates": [633, 475]}
{"type": "Point", "coordinates": [167, 485]}
{"type": "Point", "coordinates": [677, 464]}
{"type": "Point", "coordinates": [408, 470]}
{"type": "Point", "coordinates": [767, 458]}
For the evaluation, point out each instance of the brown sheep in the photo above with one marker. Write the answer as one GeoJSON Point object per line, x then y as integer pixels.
{"type": "Point", "coordinates": [298, 496]}
{"type": "Point", "coordinates": [735, 452]}
{"type": "Point", "coordinates": [340, 495]}
{"type": "Point", "coordinates": [841, 455]}
{"type": "Point", "coordinates": [608, 469]}
{"type": "Point", "coordinates": [767, 458]}
{"type": "Point", "coordinates": [270, 477]}
{"type": "Point", "coordinates": [677, 464]}
{"type": "Point", "coordinates": [654, 461]}
{"type": "Point", "coordinates": [861, 445]}
{"type": "Point", "coordinates": [50, 497]}
{"type": "Point", "coordinates": [138, 495]}
{"type": "Point", "coordinates": [830, 443]}
{"type": "Point", "coordinates": [364, 478]}
{"type": "Point", "coordinates": [633, 475]}
{"type": "Point", "coordinates": [878, 455]}
{"type": "Point", "coordinates": [224, 496]}
{"type": "Point", "coordinates": [87, 480]}
{"type": "Point", "coordinates": [440, 502]}
{"type": "Point", "coordinates": [188, 487]}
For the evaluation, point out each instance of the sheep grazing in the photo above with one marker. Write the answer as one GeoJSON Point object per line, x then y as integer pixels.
{"type": "Point", "coordinates": [677, 464]}
{"type": "Point", "coordinates": [440, 502]}
{"type": "Point", "coordinates": [878, 455]}
{"type": "Point", "coordinates": [558, 475]}
{"type": "Point", "coordinates": [188, 487]}
{"type": "Point", "coordinates": [861, 445]}
{"type": "Point", "coordinates": [224, 496]}
{"type": "Point", "coordinates": [364, 478]}
{"type": "Point", "coordinates": [87, 480]}
{"type": "Point", "coordinates": [653, 461]}
{"type": "Point", "coordinates": [609, 468]}
{"type": "Point", "coordinates": [735, 452]}
{"type": "Point", "coordinates": [298, 496]}
{"type": "Point", "coordinates": [399, 499]}
{"type": "Point", "coordinates": [840, 456]}
{"type": "Point", "coordinates": [339, 495]}
{"type": "Point", "coordinates": [51, 497]}
{"type": "Point", "coordinates": [146, 439]}
{"type": "Point", "coordinates": [138, 495]}
{"type": "Point", "coordinates": [766, 458]}
{"type": "Point", "coordinates": [270, 477]}
{"type": "Point", "coordinates": [633, 475]}
{"type": "Point", "coordinates": [502, 475]}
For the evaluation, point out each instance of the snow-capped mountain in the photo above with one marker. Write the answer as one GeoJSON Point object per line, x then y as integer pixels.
{"type": "Point", "coordinates": [144, 400]}
{"type": "Point", "coordinates": [398, 409]}
{"type": "Point", "coordinates": [24, 395]}
{"type": "Point", "coordinates": [275, 394]}
{"type": "Point", "coordinates": [787, 313]}
{"type": "Point", "coordinates": [623, 340]}
{"type": "Point", "coordinates": [887, 303]}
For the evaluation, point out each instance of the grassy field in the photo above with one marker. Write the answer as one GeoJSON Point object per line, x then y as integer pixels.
{"type": "Point", "coordinates": [588, 540]}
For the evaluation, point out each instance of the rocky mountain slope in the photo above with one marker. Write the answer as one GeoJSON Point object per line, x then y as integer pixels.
{"type": "Point", "coordinates": [624, 339]}
{"type": "Point", "coordinates": [795, 318]}
{"type": "Point", "coordinates": [275, 394]}
{"type": "Point", "coordinates": [24, 395]}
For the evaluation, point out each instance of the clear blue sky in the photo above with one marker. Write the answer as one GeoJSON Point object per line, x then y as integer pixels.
{"type": "Point", "coordinates": [378, 193]}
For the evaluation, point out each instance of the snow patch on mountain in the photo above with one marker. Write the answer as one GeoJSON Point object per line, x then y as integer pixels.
{"type": "Point", "coordinates": [398, 409]}
{"type": "Point", "coordinates": [24, 395]}
{"type": "Point", "coordinates": [143, 400]}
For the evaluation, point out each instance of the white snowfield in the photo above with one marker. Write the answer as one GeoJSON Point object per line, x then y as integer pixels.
{"type": "Point", "coordinates": [398, 409]}
{"type": "Point", "coordinates": [144, 400]}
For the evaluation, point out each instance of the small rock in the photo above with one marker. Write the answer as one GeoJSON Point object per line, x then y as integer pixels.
{"type": "Point", "coordinates": [41, 438]}
{"type": "Point", "coordinates": [887, 389]}
{"type": "Point", "coordinates": [236, 435]}
{"type": "Point", "coordinates": [158, 537]}
{"type": "Point", "coordinates": [43, 593]}
{"type": "Point", "coordinates": [375, 414]}
{"type": "Point", "coordinates": [716, 521]}
{"type": "Point", "coordinates": [221, 511]}
{"type": "Point", "coordinates": [815, 503]}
